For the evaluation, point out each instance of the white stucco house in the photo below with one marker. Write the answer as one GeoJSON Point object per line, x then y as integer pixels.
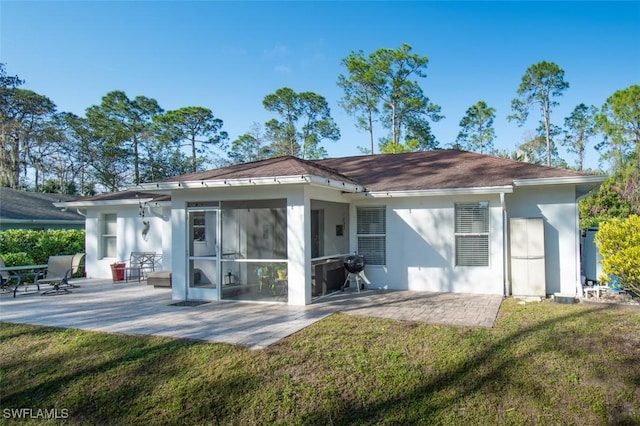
{"type": "Point", "coordinates": [277, 230]}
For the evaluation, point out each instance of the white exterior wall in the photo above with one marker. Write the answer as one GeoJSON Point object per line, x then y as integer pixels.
{"type": "Point", "coordinates": [556, 204]}
{"type": "Point", "coordinates": [420, 240]}
{"type": "Point", "coordinates": [129, 237]}
{"type": "Point", "coordinates": [92, 266]}
{"type": "Point", "coordinates": [420, 246]}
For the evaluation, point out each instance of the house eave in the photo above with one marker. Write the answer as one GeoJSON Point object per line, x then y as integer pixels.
{"type": "Point", "coordinates": [567, 180]}
{"type": "Point", "coordinates": [260, 181]}
{"type": "Point", "coordinates": [121, 202]}
{"type": "Point", "coordinates": [434, 192]}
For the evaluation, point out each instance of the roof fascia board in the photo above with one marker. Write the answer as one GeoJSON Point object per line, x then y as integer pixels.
{"type": "Point", "coordinates": [237, 182]}
{"type": "Point", "coordinates": [98, 203]}
{"type": "Point", "coordinates": [334, 184]}
{"type": "Point", "coordinates": [434, 192]}
{"type": "Point", "coordinates": [592, 179]}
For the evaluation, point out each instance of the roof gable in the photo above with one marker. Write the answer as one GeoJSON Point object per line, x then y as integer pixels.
{"type": "Point", "coordinates": [272, 167]}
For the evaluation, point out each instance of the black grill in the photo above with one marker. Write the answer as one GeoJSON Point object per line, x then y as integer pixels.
{"type": "Point", "coordinates": [354, 263]}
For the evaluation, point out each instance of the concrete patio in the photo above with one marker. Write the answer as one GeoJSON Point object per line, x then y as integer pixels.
{"type": "Point", "coordinates": [136, 308]}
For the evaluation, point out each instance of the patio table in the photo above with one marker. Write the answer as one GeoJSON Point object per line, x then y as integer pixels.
{"type": "Point", "coordinates": [26, 270]}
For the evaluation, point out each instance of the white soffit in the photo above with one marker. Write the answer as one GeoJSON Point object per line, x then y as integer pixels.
{"type": "Point", "coordinates": [591, 179]}
{"type": "Point", "coordinates": [237, 182]}
{"type": "Point", "coordinates": [120, 202]}
{"type": "Point", "coordinates": [434, 192]}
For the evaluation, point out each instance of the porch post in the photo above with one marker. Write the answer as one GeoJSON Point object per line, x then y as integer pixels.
{"type": "Point", "coordinates": [179, 237]}
{"type": "Point", "coordinates": [298, 237]}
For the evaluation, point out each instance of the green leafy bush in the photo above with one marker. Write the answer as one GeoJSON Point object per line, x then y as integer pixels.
{"type": "Point", "coordinates": [39, 245]}
{"type": "Point", "coordinates": [17, 259]}
{"type": "Point", "coordinates": [607, 203]}
{"type": "Point", "coordinates": [618, 241]}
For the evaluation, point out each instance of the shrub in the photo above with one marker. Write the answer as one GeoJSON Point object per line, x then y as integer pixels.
{"type": "Point", "coordinates": [618, 241]}
{"type": "Point", "coordinates": [17, 259]}
{"type": "Point", "coordinates": [605, 204]}
{"type": "Point", "coordinates": [39, 245]}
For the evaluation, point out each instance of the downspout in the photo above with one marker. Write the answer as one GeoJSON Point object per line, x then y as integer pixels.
{"type": "Point", "coordinates": [505, 246]}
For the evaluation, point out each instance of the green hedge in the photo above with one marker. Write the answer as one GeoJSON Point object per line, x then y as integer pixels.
{"type": "Point", "coordinates": [24, 247]}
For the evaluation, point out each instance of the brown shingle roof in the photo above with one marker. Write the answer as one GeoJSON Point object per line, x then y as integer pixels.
{"type": "Point", "coordinates": [426, 170]}
{"type": "Point", "coordinates": [439, 169]}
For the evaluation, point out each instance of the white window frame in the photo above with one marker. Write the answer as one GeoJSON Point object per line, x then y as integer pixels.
{"type": "Point", "coordinates": [105, 237]}
{"type": "Point", "coordinates": [374, 231]}
{"type": "Point", "coordinates": [475, 232]}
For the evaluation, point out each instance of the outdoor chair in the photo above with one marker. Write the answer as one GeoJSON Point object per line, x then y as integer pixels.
{"type": "Point", "coordinates": [594, 290]}
{"type": "Point", "coordinates": [140, 264]}
{"type": "Point", "coordinates": [8, 281]}
{"type": "Point", "coordinates": [57, 274]}
{"type": "Point", "coordinates": [77, 262]}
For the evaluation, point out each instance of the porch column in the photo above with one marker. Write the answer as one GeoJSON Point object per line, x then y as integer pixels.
{"type": "Point", "coordinates": [298, 248]}
{"type": "Point", "coordinates": [179, 237]}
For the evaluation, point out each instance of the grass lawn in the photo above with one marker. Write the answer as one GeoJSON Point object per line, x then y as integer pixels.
{"type": "Point", "coordinates": [543, 363]}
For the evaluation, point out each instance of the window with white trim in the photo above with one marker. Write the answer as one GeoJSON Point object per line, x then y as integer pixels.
{"type": "Point", "coordinates": [108, 235]}
{"type": "Point", "coordinates": [371, 232]}
{"type": "Point", "coordinates": [472, 234]}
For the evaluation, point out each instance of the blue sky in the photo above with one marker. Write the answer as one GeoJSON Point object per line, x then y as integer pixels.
{"type": "Point", "coordinates": [228, 55]}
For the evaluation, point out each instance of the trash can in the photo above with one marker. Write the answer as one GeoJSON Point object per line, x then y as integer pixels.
{"type": "Point", "coordinates": [117, 271]}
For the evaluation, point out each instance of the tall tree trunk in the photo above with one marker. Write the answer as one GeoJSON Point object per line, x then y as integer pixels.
{"type": "Point", "coordinates": [193, 153]}
{"type": "Point", "coordinates": [9, 163]}
{"type": "Point", "coordinates": [37, 177]}
{"type": "Point", "coordinates": [136, 160]}
{"type": "Point", "coordinates": [15, 163]}
{"type": "Point", "coordinates": [371, 131]}
{"type": "Point", "coordinates": [547, 129]}
{"type": "Point", "coordinates": [393, 127]}
{"type": "Point", "coordinates": [580, 149]}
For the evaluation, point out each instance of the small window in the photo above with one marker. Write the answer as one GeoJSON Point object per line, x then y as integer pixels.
{"type": "Point", "coordinates": [109, 235]}
{"type": "Point", "coordinates": [472, 234]}
{"type": "Point", "coordinates": [372, 234]}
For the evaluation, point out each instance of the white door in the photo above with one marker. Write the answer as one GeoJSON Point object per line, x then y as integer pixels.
{"type": "Point", "coordinates": [203, 255]}
{"type": "Point", "coordinates": [527, 257]}
{"type": "Point", "coordinates": [535, 238]}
